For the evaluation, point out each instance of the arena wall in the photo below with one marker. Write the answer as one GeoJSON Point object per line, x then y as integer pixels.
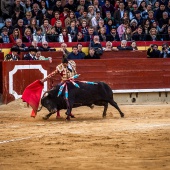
{"type": "Point", "coordinates": [133, 80]}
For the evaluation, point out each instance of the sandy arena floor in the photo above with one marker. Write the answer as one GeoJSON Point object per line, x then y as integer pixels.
{"type": "Point", "coordinates": [141, 140]}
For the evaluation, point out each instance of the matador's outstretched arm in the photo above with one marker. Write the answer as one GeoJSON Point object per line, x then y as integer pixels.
{"type": "Point", "coordinates": [49, 76]}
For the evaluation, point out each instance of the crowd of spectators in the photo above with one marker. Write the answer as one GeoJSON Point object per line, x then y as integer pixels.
{"type": "Point", "coordinates": [94, 21]}
{"type": "Point", "coordinates": [80, 20]}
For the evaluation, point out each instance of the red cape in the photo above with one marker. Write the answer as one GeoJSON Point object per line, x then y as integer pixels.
{"type": "Point", "coordinates": [32, 95]}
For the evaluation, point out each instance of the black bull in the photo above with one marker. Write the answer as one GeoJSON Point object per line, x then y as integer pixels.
{"type": "Point", "coordinates": [88, 94]}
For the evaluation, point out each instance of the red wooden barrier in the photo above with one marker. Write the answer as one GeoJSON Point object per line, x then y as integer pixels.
{"type": "Point", "coordinates": [1, 56]}
{"type": "Point", "coordinates": [119, 73]}
{"type": "Point", "coordinates": [124, 54]}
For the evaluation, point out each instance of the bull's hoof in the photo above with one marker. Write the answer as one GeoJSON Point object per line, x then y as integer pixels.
{"type": "Point", "coordinates": [122, 114]}
{"type": "Point", "coordinates": [45, 118]}
{"type": "Point", "coordinates": [104, 116]}
{"type": "Point", "coordinates": [92, 106]}
{"type": "Point", "coordinates": [68, 118]}
{"type": "Point", "coordinates": [72, 116]}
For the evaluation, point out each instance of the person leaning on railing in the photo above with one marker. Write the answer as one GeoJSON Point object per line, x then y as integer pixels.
{"type": "Point", "coordinates": [153, 51]}
{"type": "Point", "coordinates": [13, 55]}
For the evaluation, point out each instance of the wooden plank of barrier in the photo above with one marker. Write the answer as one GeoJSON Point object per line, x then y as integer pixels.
{"type": "Point", "coordinates": [1, 79]}
{"type": "Point", "coordinates": [123, 54]}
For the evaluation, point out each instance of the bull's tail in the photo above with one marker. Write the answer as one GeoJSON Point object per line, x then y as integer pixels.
{"type": "Point", "coordinates": [39, 109]}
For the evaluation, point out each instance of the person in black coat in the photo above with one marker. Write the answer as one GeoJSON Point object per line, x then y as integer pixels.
{"type": "Point", "coordinates": [45, 47]}
{"type": "Point", "coordinates": [91, 54]}
{"type": "Point", "coordinates": [153, 51]}
{"type": "Point", "coordinates": [113, 35]}
{"type": "Point", "coordinates": [123, 46]}
{"type": "Point", "coordinates": [139, 35]}
{"type": "Point", "coordinates": [32, 54]}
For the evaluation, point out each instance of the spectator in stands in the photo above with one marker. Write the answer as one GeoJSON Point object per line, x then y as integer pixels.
{"type": "Point", "coordinates": [151, 16]}
{"type": "Point", "coordinates": [165, 53]}
{"type": "Point", "coordinates": [83, 27]}
{"type": "Point", "coordinates": [13, 56]}
{"type": "Point", "coordinates": [20, 45]}
{"type": "Point", "coordinates": [118, 14]}
{"type": "Point", "coordinates": [142, 6]}
{"type": "Point", "coordinates": [72, 29]}
{"type": "Point", "coordinates": [125, 17]}
{"type": "Point", "coordinates": [113, 35]}
{"type": "Point", "coordinates": [33, 25]}
{"type": "Point", "coordinates": [95, 20]}
{"type": "Point", "coordinates": [52, 36]}
{"type": "Point", "coordinates": [158, 13]}
{"type": "Point", "coordinates": [146, 26]}
{"type": "Point", "coordinates": [100, 25]}
{"type": "Point", "coordinates": [64, 15]}
{"type": "Point", "coordinates": [134, 9]}
{"type": "Point", "coordinates": [4, 38]}
{"type": "Point", "coordinates": [74, 54]}
{"type": "Point", "coordinates": [20, 26]}
{"type": "Point", "coordinates": [80, 46]}
{"type": "Point", "coordinates": [134, 26]}
{"type": "Point", "coordinates": [139, 35]}
{"type": "Point", "coordinates": [78, 38]}
{"type": "Point", "coordinates": [32, 54]}
{"type": "Point", "coordinates": [91, 11]}
{"type": "Point", "coordinates": [91, 54]}
{"type": "Point", "coordinates": [43, 6]}
{"type": "Point", "coordinates": [109, 17]}
{"type": "Point", "coordinates": [38, 35]}
{"type": "Point", "coordinates": [37, 14]}
{"type": "Point", "coordinates": [97, 6]}
{"type": "Point", "coordinates": [89, 36]}
{"type": "Point", "coordinates": [121, 29]}
{"type": "Point", "coordinates": [85, 17]}
{"type": "Point", "coordinates": [138, 17]}
{"type": "Point", "coordinates": [58, 27]}
{"type": "Point", "coordinates": [123, 46]}
{"type": "Point", "coordinates": [27, 36]}
{"type": "Point", "coordinates": [64, 36]}
{"type": "Point", "coordinates": [15, 35]}
{"type": "Point", "coordinates": [108, 7]}
{"type": "Point", "coordinates": [45, 47]}
{"type": "Point", "coordinates": [70, 5]}
{"type": "Point", "coordinates": [109, 25]}
{"type": "Point", "coordinates": [144, 14]}
{"type": "Point", "coordinates": [166, 37]}
{"type": "Point", "coordinates": [15, 5]}
{"type": "Point", "coordinates": [127, 35]}
{"type": "Point", "coordinates": [134, 45]}
{"type": "Point", "coordinates": [153, 51]}
{"type": "Point", "coordinates": [8, 25]}
{"type": "Point", "coordinates": [27, 19]}
{"type": "Point", "coordinates": [28, 6]}
{"type": "Point", "coordinates": [49, 14]}
{"type": "Point", "coordinates": [35, 44]}
{"type": "Point", "coordinates": [17, 15]}
{"type": "Point", "coordinates": [129, 7]}
{"type": "Point", "coordinates": [97, 46]}
{"type": "Point", "coordinates": [55, 18]}
{"type": "Point", "coordinates": [79, 12]}
{"type": "Point", "coordinates": [70, 17]}
{"type": "Point", "coordinates": [102, 34]}
{"type": "Point", "coordinates": [40, 57]}
{"type": "Point", "coordinates": [109, 47]}
{"type": "Point", "coordinates": [5, 8]}
{"type": "Point", "coordinates": [164, 22]}
{"type": "Point", "coordinates": [46, 26]}
{"type": "Point", "coordinates": [156, 6]}
{"type": "Point", "coordinates": [153, 35]}
{"type": "Point", "coordinates": [58, 7]}
{"type": "Point", "coordinates": [64, 50]}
